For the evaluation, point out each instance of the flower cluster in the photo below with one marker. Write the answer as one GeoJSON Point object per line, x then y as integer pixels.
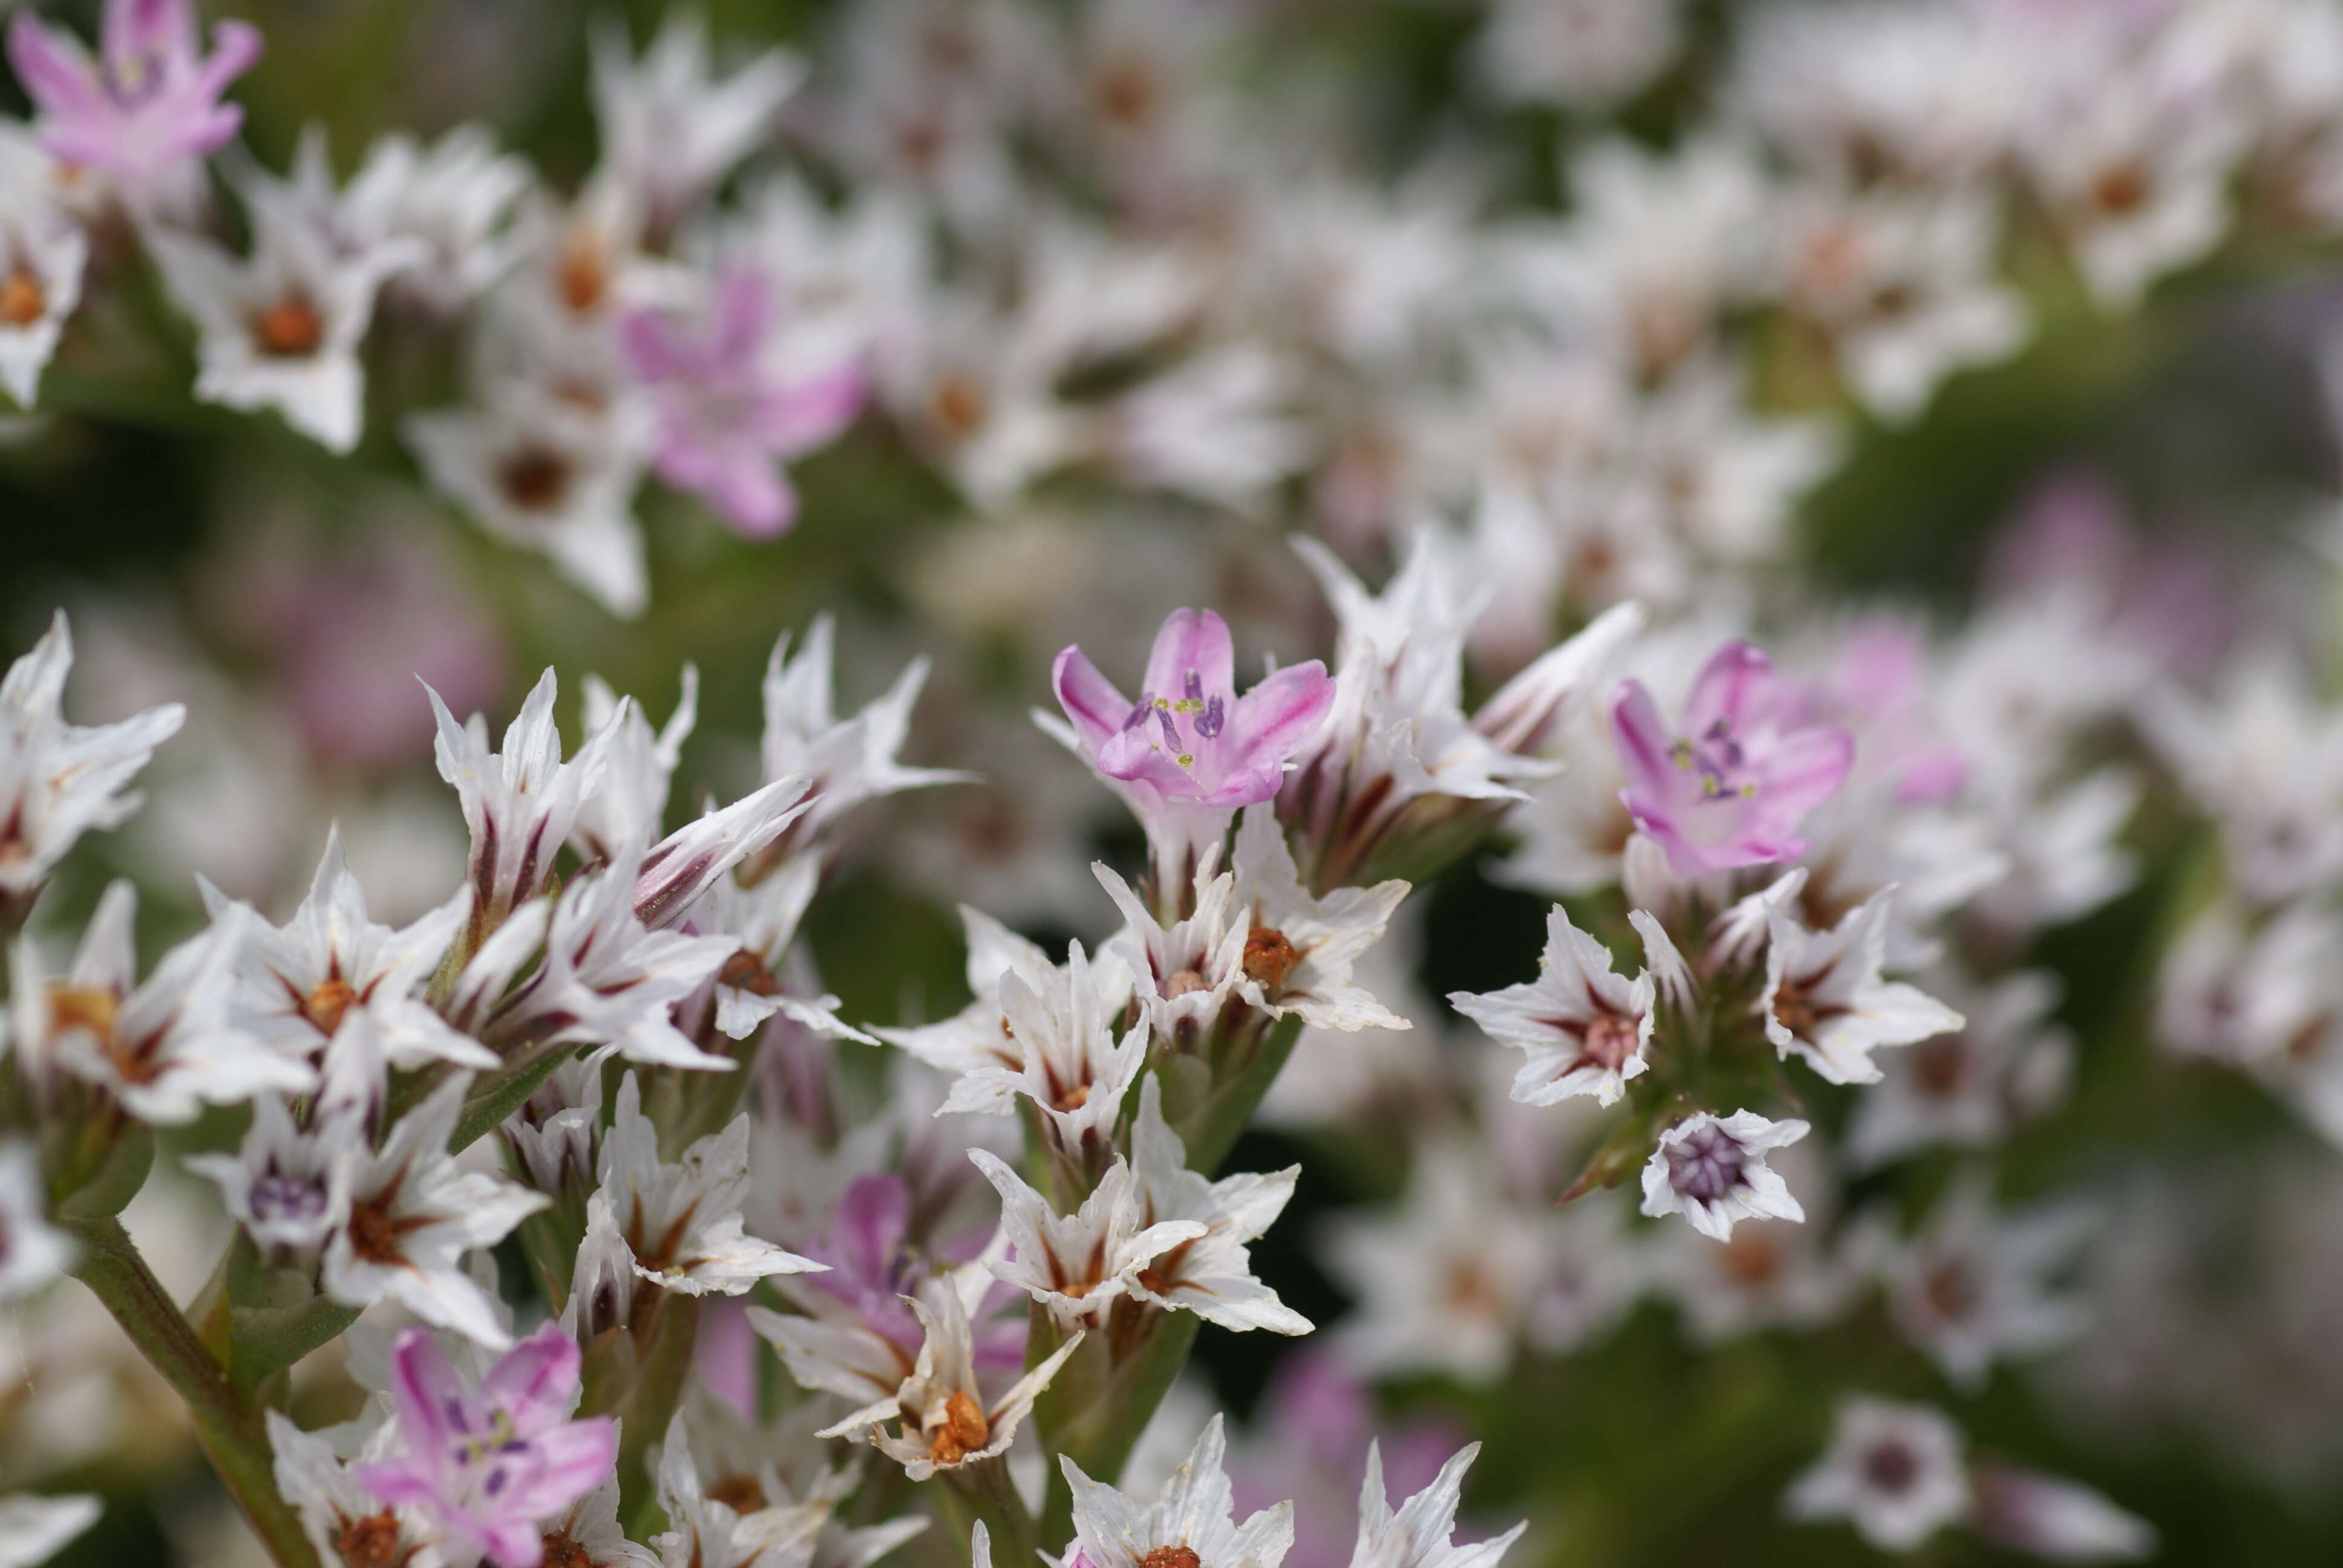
{"type": "Point", "coordinates": [636, 1242]}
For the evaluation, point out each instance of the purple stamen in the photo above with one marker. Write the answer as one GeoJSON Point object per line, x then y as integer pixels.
{"type": "Point", "coordinates": [1210, 722]}
{"type": "Point", "coordinates": [1171, 729]}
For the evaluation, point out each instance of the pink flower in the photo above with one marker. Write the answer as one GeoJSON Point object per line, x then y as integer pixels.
{"type": "Point", "coordinates": [1190, 738]}
{"type": "Point", "coordinates": [149, 102]}
{"type": "Point", "coordinates": [1731, 787]}
{"type": "Point", "coordinates": [487, 1464]}
{"type": "Point", "coordinates": [729, 409]}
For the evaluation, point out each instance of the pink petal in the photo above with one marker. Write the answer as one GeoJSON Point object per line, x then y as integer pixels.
{"type": "Point", "coordinates": [397, 1482]}
{"type": "Point", "coordinates": [574, 1459]}
{"type": "Point", "coordinates": [428, 1396]}
{"type": "Point", "coordinates": [1275, 719]}
{"type": "Point", "coordinates": [810, 413]}
{"type": "Point", "coordinates": [1734, 686]}
{"type": "Point", "coordinates": [1643, 742]}
{"type": "Point", "coordinates": [56, 74]}
{"type": "Point", "coordinates": [535, 1379]}
{"type": "Point", "coordinates": [1096, 709]}
{"type": "Point", "coordinates": [1191, 640]}
{"type": "Point", "coordinates": [740, 317]}
{"type": "Point", "coordinates": [133, 31]}
{"type": "Point", "coordinates": [653, 348]}
{"type": "Point", "coordinates": [1804, 769]}
{"type": "Point", "coordinates": [235, 46]}
{"type": "Point", "coordinates": [872, 1218]}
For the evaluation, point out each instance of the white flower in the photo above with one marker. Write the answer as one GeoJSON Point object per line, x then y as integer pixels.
{"type": "Point", "coordinates": [629, 806]}
{"type": "Point", "coordinates": [1077, 1264]}
{"type": "Point", "coordinates": [413, 1216]}
{"type": "Point", "coordinates": [546, 474]}
{"type": "Point", "coordinates": [978, 1037]}
{"type": "Point", "coordinates": [287, 1186]}
{"type": "Point", "coordinates": [32, 1251]}
{"type": "Point", "coordinates": [1446, 1282]}
{"type": "Point", "coordinates": [59, 780]}
{"type": "Point", "coordinates": [845, 762]}
{"type": "Point", "coordinates": [165, 1048]}
{"type": "Point", "coordinates": [1219, 427]}
{"type": "Point", "coordinates": [670, 128]}
{"type": "Point", "coordinates": [1193, 1517]}
{"type": "Point", "coordinates": [703, 1533]}
{"type": "Point", "coordinates": [42, 251]}
{"type": "Point", "coordinates": [1894, 1471]}
{"type": "Point", "coordinates": [752, 985]}
{"type": "Point", "coordinates": [1825, 1000]}
{"type": "Point", "coordinates": [682, 1221]}
{"type": "Point", "coordinates": [1769, 1273]}
{"type": "Point", "coordinates": [1969, 1087]}
{"type": "Point", "coordinates": [1298, 950]}
{"type": "Point", "coordinates": [609, 982]}
{"type": "Point", "coordinates": [1903, 288]}
{"type": "Point", "coordinates": [587, 1534]}
{"type": "Point", "coordinates": [34, 1529]}
{"type": "Point", "coordinates": [1418, 1534]}
{"type": "Point", "coordinates": [1970, 1289]}
{"type": "Point", "coordinates": [1712, 1170]}
{"type": "Point", "coordinates": [1211, 1276]}
{"type": "Point", "coordinates": [1577, 53]}
{"type": "Point", "coordinates": [519, 803]}
{"type": "Point", "coordinates": [1584, 1027]}
{"type": "Point", "coordinates": [2043, 1516]}
{"type": "Point", "coordinates": [450, 201]}
{"type": "Point", "coordinates": [945, 1420]}
{"type": "Point", "coordinates": [673, 873]}
{"type": "Point", "coordinates": [1068, 1060]}
{"type": "Point", "coordinates": [298, 982]}
{"type": "Point", "coordinates": [344, 1521]}
{"type": "Point", "coordinates": [281, 327]}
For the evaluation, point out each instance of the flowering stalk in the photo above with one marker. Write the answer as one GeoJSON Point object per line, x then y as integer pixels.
{"type": "Point", "coordinates": [227, 1425]}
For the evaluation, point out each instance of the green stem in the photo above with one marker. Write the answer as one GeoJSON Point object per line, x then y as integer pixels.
{"type": "Point", "coordinates": [232, 1433]}
{"type": "Point", "coordinates": [1101, 1421]}
{"type": "Point", "coordinates": [1212, 1131]}
{"type": "Point", "coordinates": [984, 1491]}
{"type": "Point", "coordinates": [661, 1374]}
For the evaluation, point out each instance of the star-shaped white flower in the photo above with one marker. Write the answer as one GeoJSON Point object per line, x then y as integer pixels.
{"type": "Point", "coordinates": [703, 1533]}
{"type": "Point", "coordinates": [943, 1419]}
{"type": "Point", "coordinates": [844, 761]}
{"type": "Point", "coordinates": [1070, 1060]}
{"type": "Point", "coordinates": [1211, 1276]}
{"type": "Point", "coordinates": [1825, 1002]}
{"type": "Point", "coordinates": [1712, 1170]}
{"type": "Point", "coordinates": [1584, 1027]}
{"type": "Point", "coordinates": [1077, 1264]}
{"type": "Point", "coordinates": [519, 803]}
{"type": "Point", "coordinates": [683, 1220]}
{"type": "Point", "coordinates": [1299, 951]}
{"type": "Point", "coordinates": [1418, 1533]}
{"type": "Point", "coordinates": [59, 780]}
{"type": "Point", "coordinates": [413, 1215]}
{"type": "Point", "coordinates": [288, 1186]}
{"type": "Point", "coordinates": [41, 252]}
{"type": "Point", "coordinates": [163, 1049]}
{"type": "Point", "coordinates": [1894, 1471]}
{"type": "Point", "coordinates": [978, 1037]}
{"type": "Point", "coordinates": [299, 981]}
{"type": "Point", "coordinates": [1187, 974]}
{"type": "Point", "coordinates": [1192, 1520]}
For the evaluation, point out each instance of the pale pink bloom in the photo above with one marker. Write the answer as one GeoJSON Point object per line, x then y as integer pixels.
{"type": "Point", "coordinates": [148, 102]}
{"type": "Point", "coordinates": [489, 1464]}
{"type": "Point", "coordinates": [1189, 750]}
{"type": "Point", "coordinates": [1729, 786]}
{"type": "Point", "coordinates": [730, 408]}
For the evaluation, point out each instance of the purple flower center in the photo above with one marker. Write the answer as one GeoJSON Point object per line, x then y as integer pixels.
{"type": "Point", "coordinates": [277, 1196]}
{"type": "Point", "coordinates": [1706, 1163]}
{"type": "Point", "coordinates": [1718, 757]}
